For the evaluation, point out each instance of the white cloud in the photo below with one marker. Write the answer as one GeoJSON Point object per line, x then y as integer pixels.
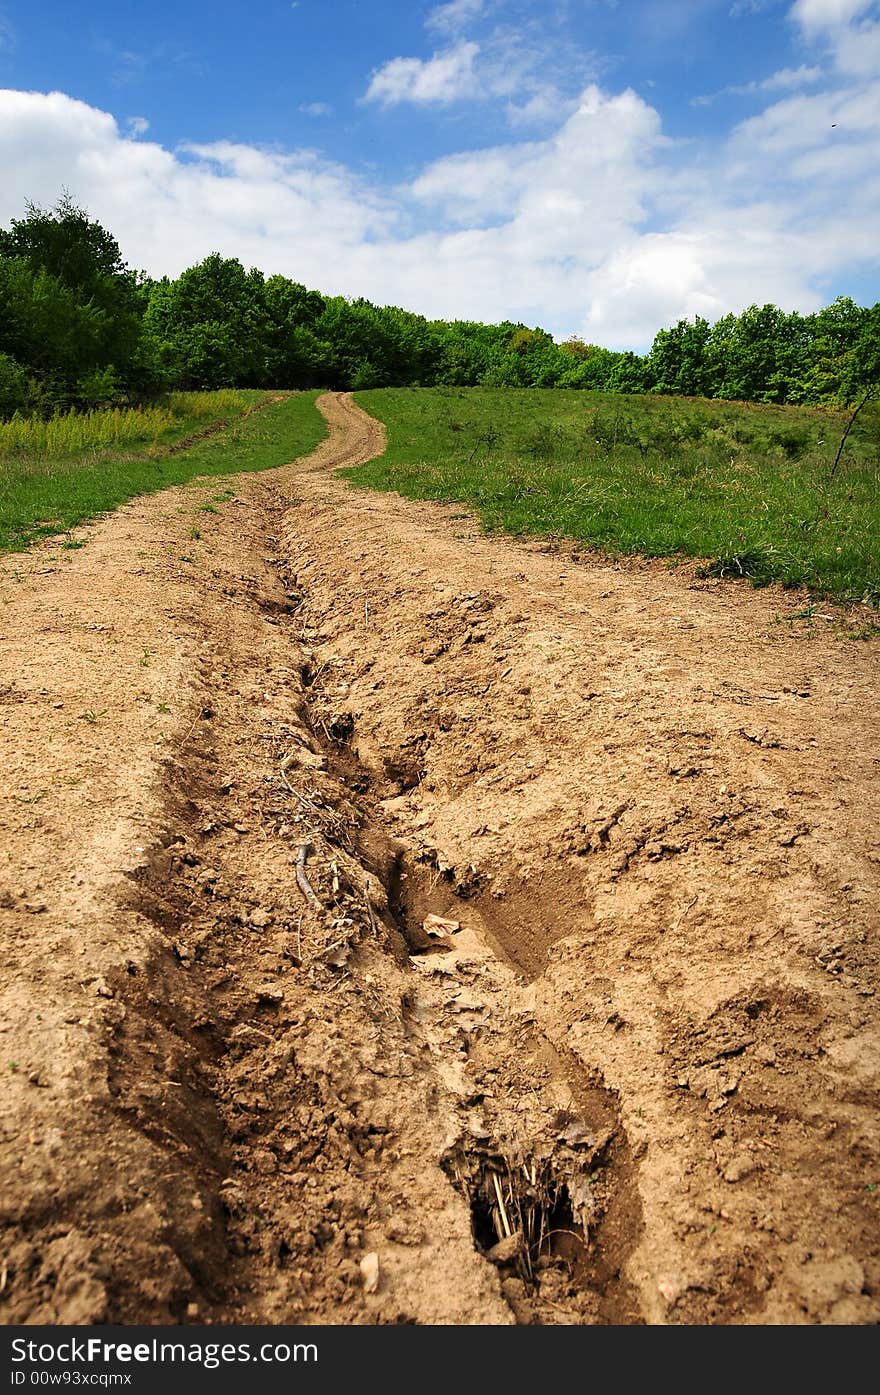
{"type": "Point", "coordinates": [316, 109]}
{"type": "Point", "coordinates": [137, 125]}
{"type": "Point", "coordinates": [807, 123]}
{"type": "Point", "coordinates": [583, 180]}
{"type": "Point", "coordinates": [815, 15]}
{"type": "Point", "coordinates": [723, 262]}
{"type": "Point", "coordinates": [283, 211]}
{"type": "Point", "coordinates": [445, 78]}
{"type": "Point", "coordinates": [543, 107]}
{"type": "Point", "coordinates": [846, 29]}
{"type": "Point", "coordinates": [456, 15]}
{"type": "Point", "coordinates": [523, 68]}
{"type": "Point", "coordinates": [782, 81]}
{"type": "Point", "coordinates": [857, 50]}
{"type": "Point", "coordinates": [603, 227]}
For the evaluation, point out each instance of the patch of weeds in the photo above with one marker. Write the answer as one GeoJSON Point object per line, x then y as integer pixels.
{"type": "Point", "coordinates": [791, 440]}
{"type": "Point", "coordinates": [870, 630]}
{"type": "Point", "coordinates": [195, 533]}
{"type": "Point", "coordinates": [754, 564]}
{"type": "Point", "coordinates": [208, 508]}
{"type": "Point", "coordinates": [72, 544]}
{"type": "Point", "coordinates": [806, 614]}
{"type": "Point", "coordinates": [90, 715]}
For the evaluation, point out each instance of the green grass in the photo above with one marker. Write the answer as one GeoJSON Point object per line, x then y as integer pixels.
{"type": "Point", "coordinates": [746, 487]}
{"type": "Point", "coordinates": [48, 484]}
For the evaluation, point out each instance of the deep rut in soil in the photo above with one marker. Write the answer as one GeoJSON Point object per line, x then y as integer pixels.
{"type": "Point", "coordinates": [327, 1082]}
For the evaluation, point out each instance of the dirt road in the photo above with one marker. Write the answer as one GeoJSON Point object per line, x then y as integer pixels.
{"type": "Point", "coordinates": [629, 1071]}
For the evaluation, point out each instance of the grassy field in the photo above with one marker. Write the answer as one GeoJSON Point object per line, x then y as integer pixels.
{"type": "Point", "coordinates": [56, 474]}
{"type": "Point", "coordinates": [751, 489]}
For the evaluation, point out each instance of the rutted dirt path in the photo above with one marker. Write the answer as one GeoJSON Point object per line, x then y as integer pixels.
{"type": "Point", "coordinates": [243, 770]}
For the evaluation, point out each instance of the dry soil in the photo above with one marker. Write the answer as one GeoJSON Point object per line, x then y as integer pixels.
{"type": "Point", "coordinates": [407, 925]}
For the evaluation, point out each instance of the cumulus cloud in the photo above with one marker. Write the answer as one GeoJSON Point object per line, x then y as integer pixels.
{"type": "Point", "coordinates": [281, 211]}
{"type": "Point", "coordinates": [446, 77]}
{"type": "Point", "coordinates": [603, 227]}
{"type": "Point", "coordinates": [585, 179]}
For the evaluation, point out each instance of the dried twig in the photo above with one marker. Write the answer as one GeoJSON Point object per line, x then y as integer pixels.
{"type": "Point", "coordinates": [505, 1221]}
{"type": "Point", "coordinates": [302, 880]}
{"type": "Point", "coordinates": [872, 392]}
{"type": "Point", "coordinates": [301, 799]}
{"type": "Point", "coordinates": [373, 924]}
{"type": "Point", "coordinates": [683, 912]}
{"type": "Point", "coordinates": [196, 720]}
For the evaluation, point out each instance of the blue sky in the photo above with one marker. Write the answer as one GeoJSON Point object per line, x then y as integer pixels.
{"type": "Point", "coordinates": [596, 166]}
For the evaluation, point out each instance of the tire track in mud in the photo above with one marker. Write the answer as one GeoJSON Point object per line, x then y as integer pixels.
{"type": "Point", "coordinates": [646, 1062]}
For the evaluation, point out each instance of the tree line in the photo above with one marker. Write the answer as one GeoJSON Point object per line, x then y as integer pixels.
{"type": "Point", "coordinates": [79, 328]}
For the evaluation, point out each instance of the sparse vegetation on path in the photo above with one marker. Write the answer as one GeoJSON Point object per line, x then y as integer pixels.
{"type": "Point", "coordinates": [55, 474]}
{"type": "Point", "coordinates": [750, 488]}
